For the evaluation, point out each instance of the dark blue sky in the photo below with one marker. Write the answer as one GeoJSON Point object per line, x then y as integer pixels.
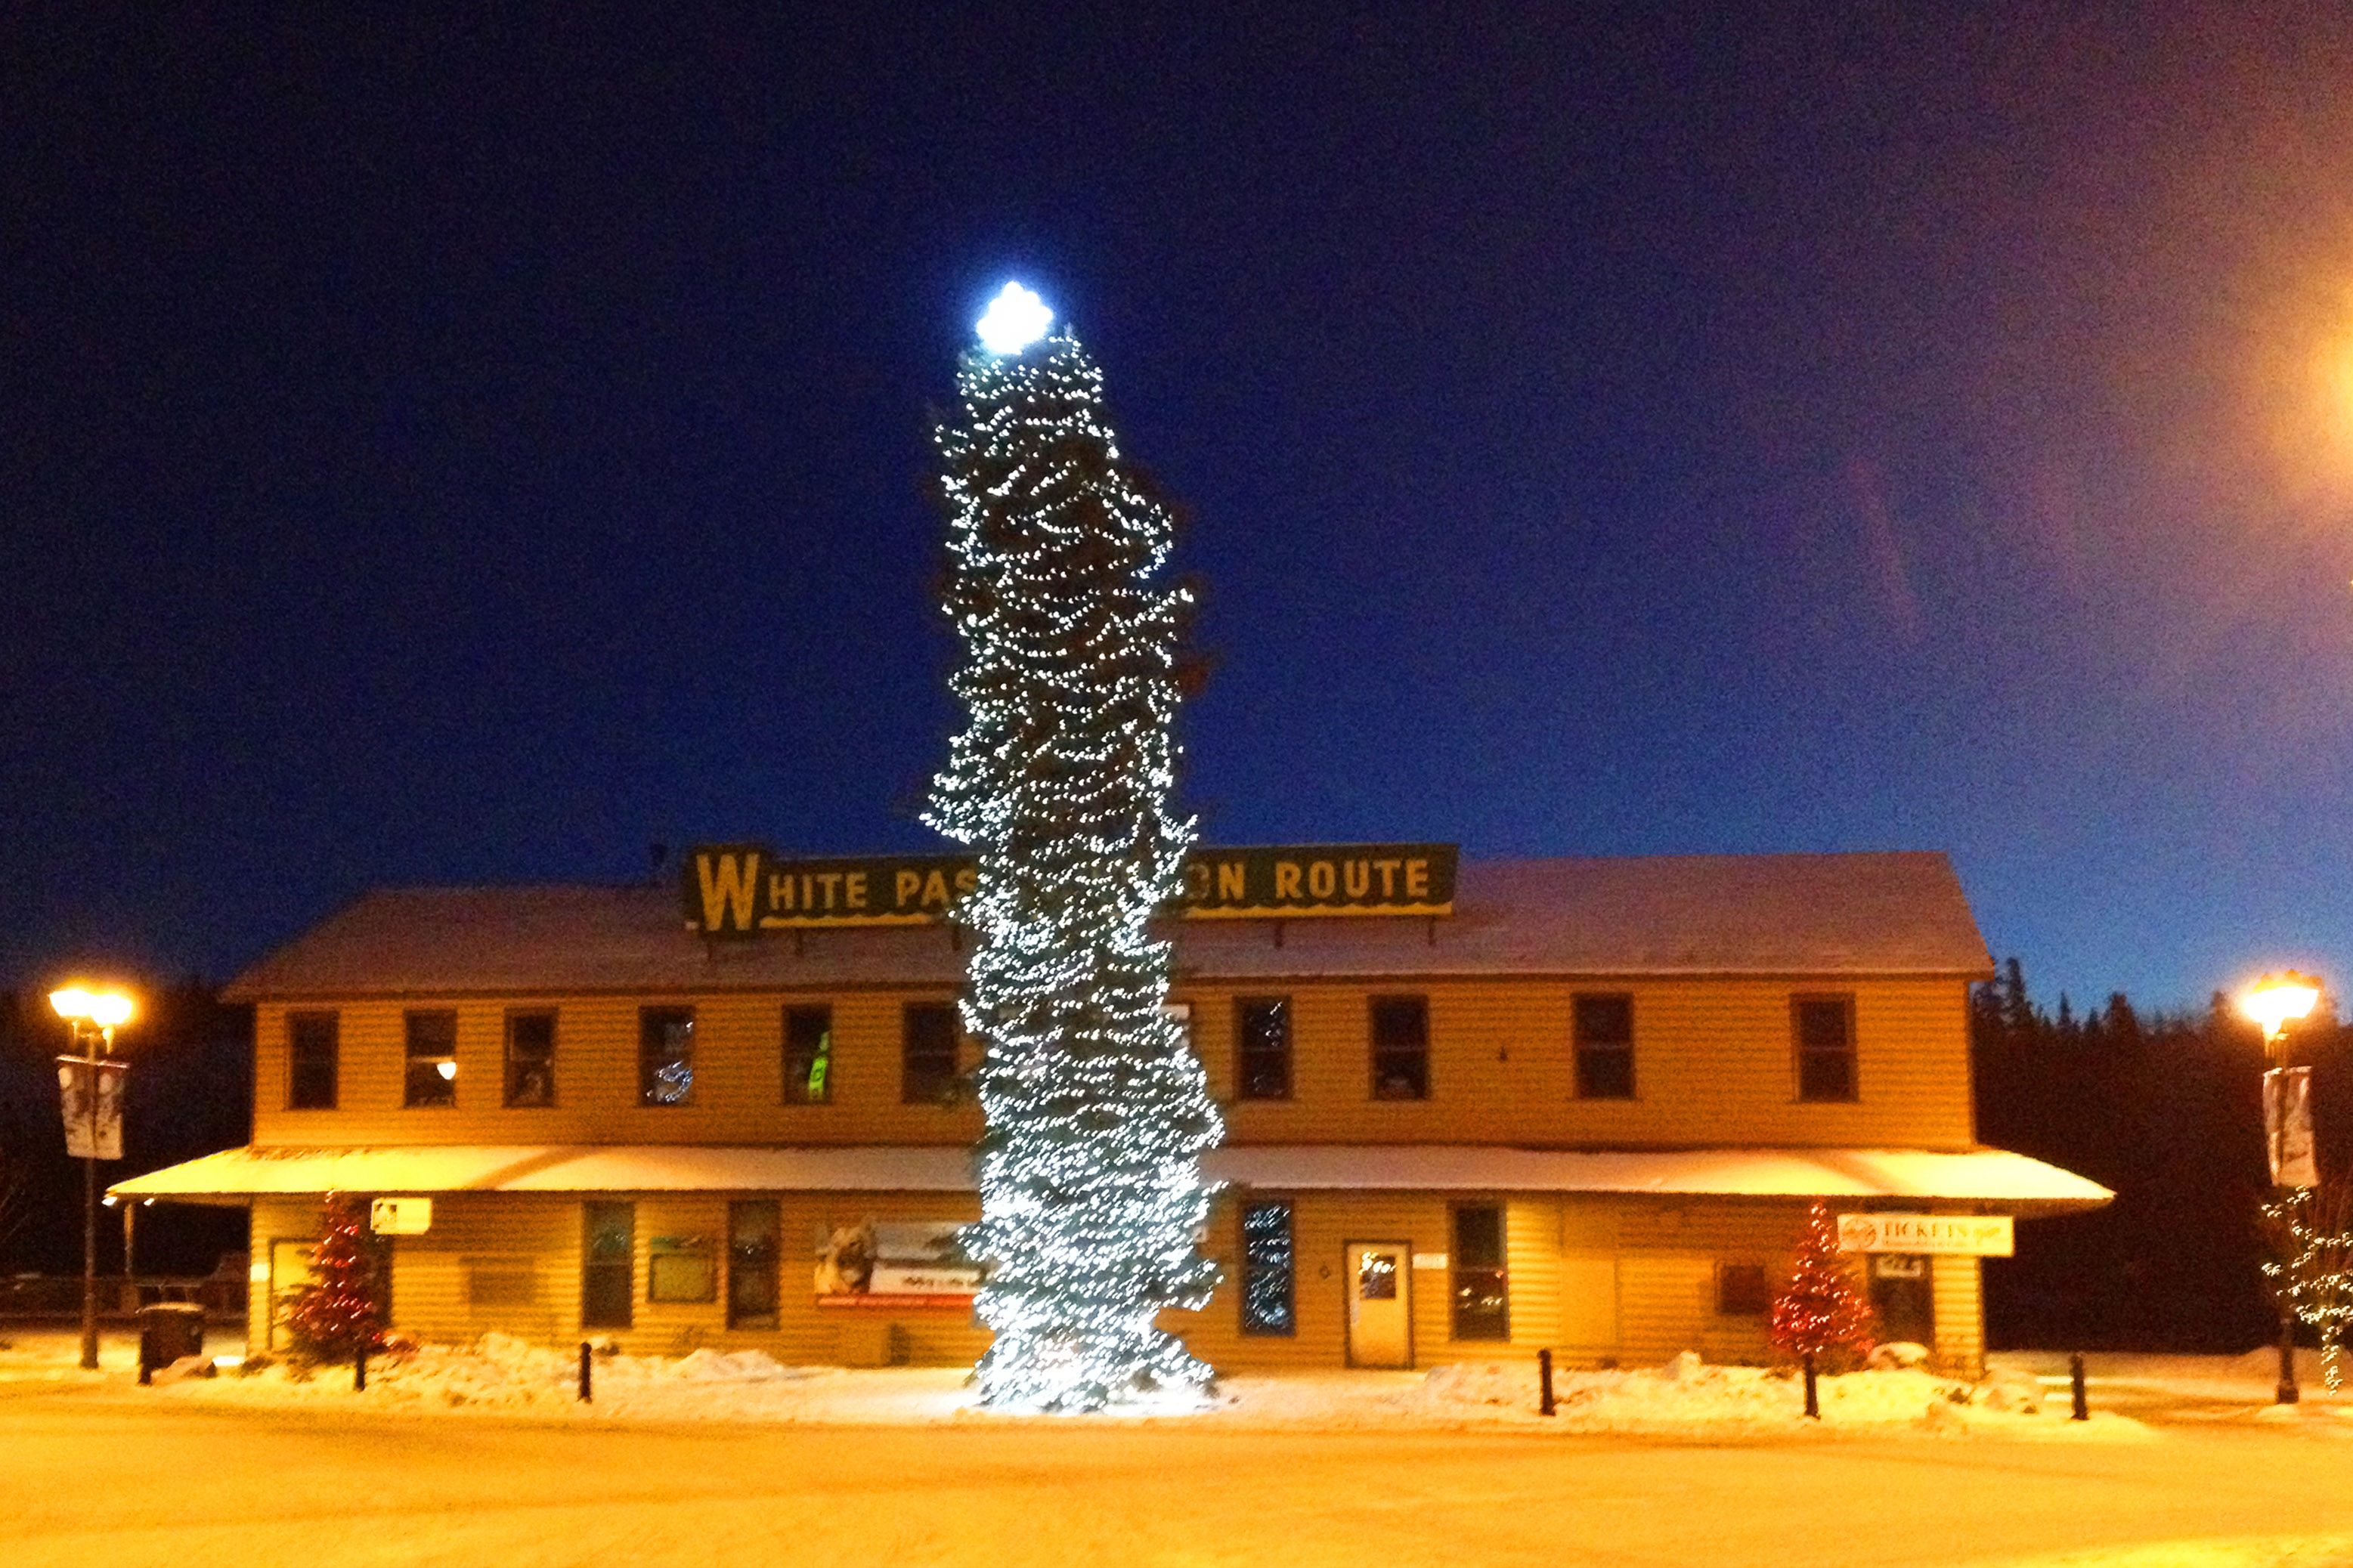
{"type": "Point", "coordinates": [447, 450]}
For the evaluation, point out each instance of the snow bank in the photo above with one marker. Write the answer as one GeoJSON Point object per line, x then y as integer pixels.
{"type": "Point", "coordinates": [500, 1372]}
{"type": "Point", "coordinates": [1687, 1396]}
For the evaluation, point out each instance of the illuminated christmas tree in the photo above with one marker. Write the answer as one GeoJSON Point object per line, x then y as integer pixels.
{"type": "Point", "coordinates": [339, 1311]}
{"type": "Point", "coordinates": [1096, 1109]}
{"type": "Point", "coordinates": [2310, 1231]}
{"type": "Point", "coordinates": [1822, 1315]}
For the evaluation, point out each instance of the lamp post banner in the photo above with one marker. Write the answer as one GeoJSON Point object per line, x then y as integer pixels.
{"type": "Point", "coordinates": [2287, 1127]}
{"type": "Point", "coordinates": [93, 1115]}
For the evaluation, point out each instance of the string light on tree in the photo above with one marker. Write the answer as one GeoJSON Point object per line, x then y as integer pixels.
{"type": "Point", "coordinates": [340, 1310]}
{"type": "Point", "coordinates": [1096, 1109]}
{"type": "Point", "coordinates": [2311, 1233]}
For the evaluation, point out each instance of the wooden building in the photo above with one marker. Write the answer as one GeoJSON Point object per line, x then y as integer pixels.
{"type": "Point", "coordinates": [1584, 1106]}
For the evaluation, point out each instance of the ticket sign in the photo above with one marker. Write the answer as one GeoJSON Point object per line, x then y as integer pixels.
{"type": "Point", "coordinates": [400, 1216]}
{"type": "Point", "coordinates": [1946, 1234]}
{"type": "Point", "coordinates": [741, 890]}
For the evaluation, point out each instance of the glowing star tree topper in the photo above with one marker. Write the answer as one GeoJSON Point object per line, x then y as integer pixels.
{"type": "Point", "coordinates": [1096, 1109]}
{"type": "Point", "coordinates": [1015, 320]}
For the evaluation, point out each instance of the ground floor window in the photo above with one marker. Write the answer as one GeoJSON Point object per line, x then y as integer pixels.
{"type": "Point", "coordinates": [682, 1268]}
{"type": "Point", "coordinates": [752, 1294]}
{"type": "Point", "coordinates": [608, 1274]}
{"type": "Point", "coordinates": [1904, 1297]}
{"type": "Point", "coordinates": [1482, 1305]}
{"type": "Point", "coordinates": [1268, 1270]}
{"type": "Point", "coordinates": [1742, 1290]}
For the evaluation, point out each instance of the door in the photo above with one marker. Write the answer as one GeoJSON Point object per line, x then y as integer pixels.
{"type": "Point", "coordinates": [1380, 1303]}
{"type": "Point", "coordinates": [289, 1270]}
{"type": "Point", "coordinates": [1900, 1294]}
{"type": "Point", "coordinates": [752, 1265]}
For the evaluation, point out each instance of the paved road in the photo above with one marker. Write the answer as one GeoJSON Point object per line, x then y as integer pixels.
{"type": "Point", "coordinates": [110, 1476]}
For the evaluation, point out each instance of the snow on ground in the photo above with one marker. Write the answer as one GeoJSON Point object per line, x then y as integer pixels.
{"type": "Point", "coordinates": [1684, 1398]}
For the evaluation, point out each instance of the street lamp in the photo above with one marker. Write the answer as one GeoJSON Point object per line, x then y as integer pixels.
{"type": "Point", "coordinates": [2275, 1002]}
{"type": "Point", "coordinates": [2278, 1000]}
{"type": "Point", "coordinates": [92, 1017]}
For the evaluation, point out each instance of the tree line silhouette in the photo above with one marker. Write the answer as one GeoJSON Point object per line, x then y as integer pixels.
{"type": "Point", "coordinates": [2166, 1110]}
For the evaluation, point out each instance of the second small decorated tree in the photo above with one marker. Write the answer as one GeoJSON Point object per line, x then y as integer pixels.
{"type": "Point", "coordinates": [1821, 1317]}
{"type": "Point", "coordinates": [340, 1310]}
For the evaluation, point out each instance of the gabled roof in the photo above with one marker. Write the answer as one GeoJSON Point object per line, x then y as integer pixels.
{"type": "Point", "coordinates": [1814, 915]}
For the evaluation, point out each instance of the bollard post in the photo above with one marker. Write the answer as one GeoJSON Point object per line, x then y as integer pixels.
{"type": "Point", "coordinates": [585, 1376]}
{"type": "Point", "coordinates": [2083, 1410]}
{"type": "Point", "coordinates": [359, 1370]}
{"type": "Point", "coordinates": [1813, 1402]}
{"type": "Point", "coordinates": [1543, 1383]}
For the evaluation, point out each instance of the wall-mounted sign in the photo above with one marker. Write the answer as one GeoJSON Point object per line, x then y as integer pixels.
{"type": "Point", "coordinates": [400, 1216]}
{"type": "Point", "coordinates": [894, 1263]}
{"type": "Point", "coordinates": [1949, 1235]}
{"type": "Point", "coordinates": [741, 890]}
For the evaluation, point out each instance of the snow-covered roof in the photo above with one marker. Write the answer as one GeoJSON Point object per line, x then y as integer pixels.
{"type": "Point", "coordinates": [1989, 1177]}
{"type": "Point", "coordinates": [579, 1168]}
{"type": "Point", "coordinates": [1664, 915]}
{"type": "Point", "coordinates": [1975, 1175]}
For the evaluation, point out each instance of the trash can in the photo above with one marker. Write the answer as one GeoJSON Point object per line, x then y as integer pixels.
{"type": "Point", "coordinates": [168, 1331]}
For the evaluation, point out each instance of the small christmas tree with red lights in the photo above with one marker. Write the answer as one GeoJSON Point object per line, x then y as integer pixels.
{"type": "Point", "coordinates": [339, 1313]}
{"type": "Point", "coordinates": [1821, 1317]}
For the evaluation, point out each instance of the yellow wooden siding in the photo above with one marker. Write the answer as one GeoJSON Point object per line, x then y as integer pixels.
{"type": "Point", "coordinates": [1712, 1066]}
{"type": "Point", "coordinates": [738, 1078]}
{"type": "Point", "coordinates": [1954, 1284]}
{"type": "Point", "coordinates": [1600, 1281]}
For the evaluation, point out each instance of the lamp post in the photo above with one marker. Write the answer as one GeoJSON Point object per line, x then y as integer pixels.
{"type": "Point", "coordinates": [2275, 1002]}
{"type": "Point", "coordinates": [92, 1017]}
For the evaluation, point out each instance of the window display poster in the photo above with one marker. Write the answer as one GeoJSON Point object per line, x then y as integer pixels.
{"type": "Point", "coordinates": [893, 1264]}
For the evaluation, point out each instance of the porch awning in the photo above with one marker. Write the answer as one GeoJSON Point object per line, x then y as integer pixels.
{"type": "Point", "coordinates": [1994, 1178]}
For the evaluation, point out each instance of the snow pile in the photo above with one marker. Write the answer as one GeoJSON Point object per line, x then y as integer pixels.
{"type": "Point", "coordinates": [502, 1372]}
{"type": "Point", "coordinates": [1688, 1396]}
{"type": "Point", "coordinates": [1685, 1398]}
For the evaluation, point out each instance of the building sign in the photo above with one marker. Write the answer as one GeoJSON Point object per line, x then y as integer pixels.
{"type": "Point", "coordinates": [400, 1216]}
{"type": "Point", "coordinates": [2287, 1127]}
{"type": "Point", "coordinates": [894, 1263]}
{"type": "Point", "coordinates": [741, 890]}
{"type": "Point", "coordinates": [1949, 1234]}
{"type": "Point", "coordinates": [90, 1093]}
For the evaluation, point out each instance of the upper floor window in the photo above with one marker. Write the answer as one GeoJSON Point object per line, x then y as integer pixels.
{"type": "Point", "coordinates": [1400, 1048]}
{"type": "Point", "coordinates": [311, 1049]}
{"type": "Point", "coordinates": [1825, 1027]}
{"type": "Point", "coordinates": [1482, 1291]}
{"type": "Point", "coordinates": [665, 1056]}
{"type": "Point", "coordinates": [1605, 1047]}
{"type": "Point", "coordinates": [530, 1058]}
{"type": "Point", "coordinates": [1262, 1047]}
{"type": "Point", "coordinates": [927, 1052]}
{"type": "Point", "coordinates": [432, 1052]}
{"type": "Point", "coordinates": [809, 1054]}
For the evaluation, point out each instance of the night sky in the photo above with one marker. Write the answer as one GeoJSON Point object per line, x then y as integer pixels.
{"type": "Point", "coordinates": [440, 449]}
